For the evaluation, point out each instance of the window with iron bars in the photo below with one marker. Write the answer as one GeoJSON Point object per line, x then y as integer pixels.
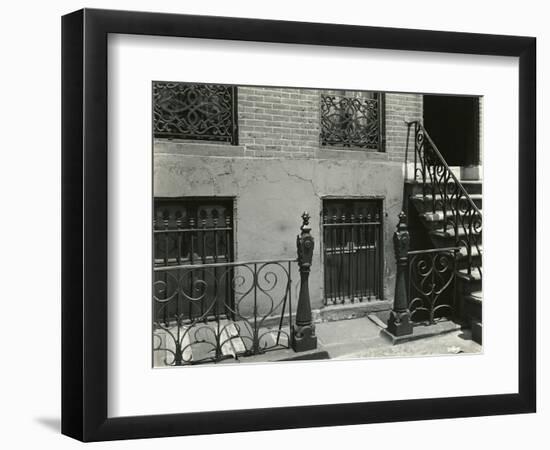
{"type": "Point", "coordinates": [191, 231]}
{"type": "Point", "coordinates": [204, 112]}
{"type": "Point", "coordinates": [353, 120]}
{"type": "Point", "coordinates": [352, 250]}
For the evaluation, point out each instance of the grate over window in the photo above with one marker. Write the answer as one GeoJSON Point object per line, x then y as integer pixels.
{"type": "Point", "coordinates": [189, 231]}
{"type": "Point", "coordinates": [352, 121]}
{"type": "Point", "coordinates": [352, 249]}
{"type": "Point", "coordinates": [195, 111]}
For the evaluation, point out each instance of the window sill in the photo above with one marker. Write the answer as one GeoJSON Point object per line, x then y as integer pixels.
{"type": "Point", "coordinates": [196, 148]}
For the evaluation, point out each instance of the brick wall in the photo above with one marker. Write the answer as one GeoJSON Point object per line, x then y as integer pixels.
{"type": "Point", "coordinates": [285, 123]}
{"type": "Point", "coordinates": [400, 107]}
{"type": "Point", "coordinates": [278, 122]}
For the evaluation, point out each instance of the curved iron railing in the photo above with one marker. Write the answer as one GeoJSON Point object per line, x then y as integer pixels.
{"type": "Point", "coordinates": [432, 286]}
{"type": "Point", "coordinates": [209, 312]}
{"type": "Point", "coordinates": [448, 197]}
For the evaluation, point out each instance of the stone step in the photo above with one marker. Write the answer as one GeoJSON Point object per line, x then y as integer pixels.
{"type": "Point", "coordinates": [450, 232]}
{"type": "Point", "coordinates": [438, 197]}
{"type": "Point", "coordinates": [475, 274]}
{"type": "Point", "coordinates": [439, 216]}
{"type": "Point", "coordinates": [474, 297]}
{"type": "Point", "coordinates": [463, 252]}
{"type": "Point", "coordinates": [473, 309]}
{"type": "Point", "coordinates": [424, 203]}
{"type": "Point", "coordinates": [477, 331]}
{"type": "Point", "coordinates": [472, 186]}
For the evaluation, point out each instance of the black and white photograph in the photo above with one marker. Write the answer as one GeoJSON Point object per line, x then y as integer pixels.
{"type": "Point", "coordinates": [314, 224]}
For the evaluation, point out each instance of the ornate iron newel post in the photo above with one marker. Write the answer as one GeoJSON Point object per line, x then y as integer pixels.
{"type": "Point", "coordinates": [399, 322]}
{"type": "Point", "coordinates": [303, 331]}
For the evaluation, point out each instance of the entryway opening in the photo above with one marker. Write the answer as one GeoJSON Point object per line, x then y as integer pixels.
{"type": "Point", "coordinates": [453, 123]}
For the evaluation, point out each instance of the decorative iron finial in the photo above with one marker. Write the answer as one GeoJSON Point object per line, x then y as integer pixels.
{"type": "Point", "coordinates": [305, 222]}
{"type": "Point", "coordinates": [401, 239]}
{"type": "Point", "coordinates": [402, 220]}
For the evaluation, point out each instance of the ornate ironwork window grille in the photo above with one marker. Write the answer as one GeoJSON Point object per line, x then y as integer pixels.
{"type": "Point", "coordinates": [191, 232]}
{"type": "Point", "coordinates": [195, 111]}
{"type": "Point", "coordinates": [353, 121]}
{"type": "Point", "coordinates": [352, 250]}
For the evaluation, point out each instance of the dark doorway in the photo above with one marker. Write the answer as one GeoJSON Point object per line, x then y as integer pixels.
{"type": "Point", "coordinates": [453, 124]}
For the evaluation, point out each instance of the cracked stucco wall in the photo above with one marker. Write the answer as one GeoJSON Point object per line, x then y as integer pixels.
{"type": "Point", "coordinates": [270, 194]}
{"type": "Point", "coordinates": [279, 169]}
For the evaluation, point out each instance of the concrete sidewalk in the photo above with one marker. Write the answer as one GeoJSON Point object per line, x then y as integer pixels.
{"type": "Point", "coordinates": [363, 338]}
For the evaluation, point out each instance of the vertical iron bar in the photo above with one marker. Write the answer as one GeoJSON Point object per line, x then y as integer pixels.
{"type": "Point", "coordinates": [433, 281]}
{"type": "Point", "coordinates": [204, 307]}
{"type": "Point", "coordinates": [381, 259]}
{"type": "Point", "coordinates": [376, 257]}
{"type": "Point", "coordinates": [416, 149]}
{"type": "Point", "coordinates": [334, 268]}
{"type": "Point", "coordinates": [368, 258]}
{"type": "Point", "coordinates": [445, 200]}
{"type": "Point", "coordinates": [178, 261]}
{"type": "Point", "coordinates": [349, 259]}
{"type": "Point", "coordinates": [216, 300]}
{"type": "Point", "coordinates": [469, 238]}
{"type": "Point", "coordinates": [167, 304]}
{"type": "Point", "coordinates": [358, 260]}
{"type": "Point", "coordinates": [289, 302]}
{"type": "Point", "coordinates": [326, 263]}
{"type": "Point", "coordinates": [192, 261]}
{"type": "Point", "coordinates": [256, 337]}
{"type": "Point", "coordinates": [229, 300]}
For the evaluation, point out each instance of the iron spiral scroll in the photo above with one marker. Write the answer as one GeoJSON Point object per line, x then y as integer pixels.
{"type": "Point", "coordinates": [219, 311]}
{"type": "Point", "coordinates": [432, 289]}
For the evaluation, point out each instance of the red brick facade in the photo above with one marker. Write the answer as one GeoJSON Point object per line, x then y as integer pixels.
{"type": "Point", "coordinates": [285, 123]}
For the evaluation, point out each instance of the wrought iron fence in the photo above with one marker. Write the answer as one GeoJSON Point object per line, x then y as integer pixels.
{"type": "Point", "coordinates": [447, 198]}
{"type": "Point", "coordinates": [195, 111]}
{"type": "Point", "coordinates": [233, 309]}
{"type": "Point", "coordinates": [352, 122]}
{"type": "Point", "coordinates": [432, 283]}
{"type": "Point", "coordinates": [352, 251]}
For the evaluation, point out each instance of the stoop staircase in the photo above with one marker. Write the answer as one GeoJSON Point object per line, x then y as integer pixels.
{"type": "Point", "coordinates": [446, 212]}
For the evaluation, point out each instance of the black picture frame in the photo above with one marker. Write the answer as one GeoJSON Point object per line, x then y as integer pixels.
{"type": "Point", "coordinates": [84, 224]}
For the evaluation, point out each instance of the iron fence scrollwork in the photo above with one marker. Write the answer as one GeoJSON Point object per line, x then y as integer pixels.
{"type": "Point", "coordinates": [432, 284]}
{"type": "Point", "coordinates": [245, 309]}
